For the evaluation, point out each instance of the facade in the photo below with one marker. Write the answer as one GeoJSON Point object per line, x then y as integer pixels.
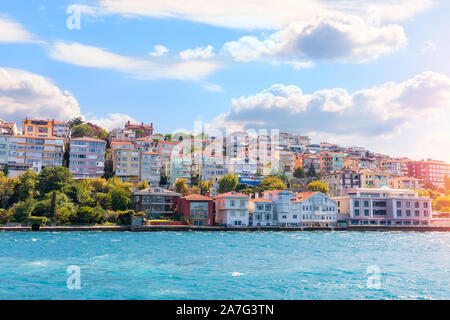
{"type": "Point", "coordinates": [21, 153]}
{"type": "Point", "coordinates": [87, 157]}
{"type": "Point", "coordinates": [164, 148]}
{"type": "Point", "coordinates": [198, 208]}
{"type": "Point", "coordinates": [406, 183]}
{"type": "Point", "coordinates": [126, 164]}
{"type": "Point", "coordinates": [156, 202]}
{"type": "Point", "coordinates": [374, 179]}
{"type": "Point", "coordinates": [385, 206]}
{"type": "Point", "coordinates": [95, 129]}
{"type": "Point", "coordinates": [37, 128]}
{"type": "Point", "coordinates": [431, 171]}
{"type": "Point", "coordinates": [261, 213]}
{"type": "Point", "coordinates": [242, 167]}
{"type": "Point", "coordinates": [332, 161]}
{"type": "Point", "coordinates": [232, 209]}
{"type": "Point", "coordinates": [150, 168]}
{"type": "Point", "coordinates": [61, 129]}
{"type": "Point", "coordinates": [8, 128]}
{"type": "Point", "coordinates": [339, 181]}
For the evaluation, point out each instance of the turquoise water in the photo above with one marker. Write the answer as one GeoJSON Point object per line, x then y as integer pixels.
{"type": "Point", "coordinates": [225, 265]}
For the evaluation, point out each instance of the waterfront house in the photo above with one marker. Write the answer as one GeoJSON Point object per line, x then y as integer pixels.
{"type": "Point", "coordinates": [87, 158]}
{"type": "Point", "coordinates": [198, 208]}
{"type": "Point", "coordinates": [385, 206]}
{"type": "Point", "coordinates": [261, 212]}
{"type": "Point", "coordinates": [232, 209]}
{"type": "Point", "coordinates": [156, 202]}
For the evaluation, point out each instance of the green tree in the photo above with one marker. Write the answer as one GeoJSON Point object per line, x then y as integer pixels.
{"type": "Point", "coordinates": [23, 209]}
{"type": "Point", "coordinates": [51, 203]}
{"type": "Point", "coordinates": [168, 137]}
{"type": "Point", "coordinates": [104, 135]}
{"type": "Point", "coordinates": [64, 216]}
{"type": "Point", "coordinates": [227, 183]}
{"type": "Point", "coordinates": [82, 130]}
{"type": "Point", "coordinates": [241, 186]}
{"type": "Point", "coordinates": [79, 192]}
{"type": "Point", "coordinates": [311, 171]}
{"type": "Point", "coordinates": [53, 178]}
{"type": "Point", "coordinates": [272, 183]}
{"type": "Point", "coordinates": [88, 215]}
{"type": "Point", "coordinates": [139, 133]}
{"type": "Point", "coordinates": [6, 190]}
{"type": "Point", "coordinates": [181, 186]}
{"type": "Point", "coordinates": [103, 199]}
{"type": "Point", "coordinates": [25, 186]}
{"type": "Point", "coordinates": [5, 216]}
{"type": "Point", "coordinates": [205, 187]}
{"type": "Point", "coordinates": [318, 185]}
{"type": "Point", "coordinates": [120, 198]}
{"type": "Point", "coordinates": [299, 173]}
{"type": "Point", "coordinates": [98, 184]}
{"type": "Point", "coordinates": [143, 185]}
{"type": "Point", "coordinates": [76, 121]}
{"type": "Point", "coordinates": [6, 170]}
{"type": "Point", "coordinates": [163, 179]}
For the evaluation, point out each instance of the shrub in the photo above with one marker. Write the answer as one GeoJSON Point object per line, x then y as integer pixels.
{"type": "Point", "coordinates": [42, 221]}
{"type": "Point", "coordinates": [124, 217]}
{"type": "Point", "coordinates": [5, 216]}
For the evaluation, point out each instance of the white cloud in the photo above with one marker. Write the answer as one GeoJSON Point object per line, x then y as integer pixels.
{"type": "Point", "coordinates": [25, 94]}
{"type": "Point", "coordinates": [13, 32]}
{"type": "Point", "coordinates": [428, 46]}
{"type": "Point", "coordinates": [213, 87]}
{"type": "Point", "coordinates": [159, 51]}
{"type": "Point", "coordinates": [144, 69]}
{"type": "Point", "coordinates": [261, 14]}
{"type": "Point", "coordinates": [197, 53]}
{"type": "Point", "coordinates": [341, 38]}
{"type": "Point", "coordinates": [111, 121]}
{"type": "Point", "coordinates": [394, 117]}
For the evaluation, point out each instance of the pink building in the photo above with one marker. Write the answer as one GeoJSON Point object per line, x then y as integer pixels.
{"type": "Point", "coordinates": [87, 158]}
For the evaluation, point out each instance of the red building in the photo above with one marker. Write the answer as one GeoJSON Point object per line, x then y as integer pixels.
{"type": "Point", "coordinates": [431, 171]}
{"type": "Point", "coordinates": [146, 128]}
{"type": "Point", "coordinates": [198, 208]}
{"type": "Point", "coordinates": [96, 129]}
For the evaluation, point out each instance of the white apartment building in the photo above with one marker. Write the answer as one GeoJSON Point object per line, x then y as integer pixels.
{"type": "Point", "coordinates": [150, 168]}
{"type": "Point", "coordinates": [261, 212]}
{"type": "Point", "coordinates": [232, 209]}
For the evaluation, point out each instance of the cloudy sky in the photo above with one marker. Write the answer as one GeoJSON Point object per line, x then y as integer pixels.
{"type": "Point", "coordinates": [367, 73]}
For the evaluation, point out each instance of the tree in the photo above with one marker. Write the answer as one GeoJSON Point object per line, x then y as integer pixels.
{"type": "Point", "coordinates": [240, 187]}
{"type": "Point", "coordinates": [299, 173]}
{"type": "Point", "coordinates": [120, 198]}
{"type": "Point", "coordinates": [318, 185]}
{"type": "Point", "coordinates": [5, 216]}
{"type": "Point", "coordinates": [51, 203]}
{"type": "Point", "coordinates": [6, 170]}
{"type": "Point", "coordinates": [143, 185]}
{"type": "Point", "coordinates": [227, 183]}
{"type": "Point", "coordinates": [163, 179]}
{"type": "Point", "coordinates": [104, 135]}
{"type": "Point", "coordinates": [6, 190]}
{"type": "Point", "coordinates": [103, 199]}
{"type": "Point", "coordinates": [98, 184]}
{"type": "Point", "coordinates": [139, 133]}
{"type": "Point", "coordinates": [53, 178]}
{"type": "Point", "coordinates": [76, 121]}
{"type": "Point", "coordinates": [311, 171]}
{"type": "Point", "coordinates": [195, 190]}
{"type": "Point", "coordinates": [168, 137]}
{"type": "Point", "coordinates": [205, 187]}
{"type": "Point", "coordinates": [272, 183]}
{"type": "Point", "coordinates": [181, 186]}
{"type": "Point", "coordinates": [25, 186]}
{"type": "Point", "coordinates": [82, 130]}
{"type": "Point", "coordinates": [23, 209]}
{"type": "Point", "coordinates": [79, 192]}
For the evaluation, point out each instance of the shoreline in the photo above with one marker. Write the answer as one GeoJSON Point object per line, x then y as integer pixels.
{"type": "Point", "coordinates": [220, 229]}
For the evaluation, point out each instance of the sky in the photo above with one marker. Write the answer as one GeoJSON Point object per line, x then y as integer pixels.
{"type": "Point", "coordinates": [364, 73]}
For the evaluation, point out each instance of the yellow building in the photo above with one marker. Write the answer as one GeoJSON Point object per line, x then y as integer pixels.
{"type": "Point", "coordinates": [38, 128]}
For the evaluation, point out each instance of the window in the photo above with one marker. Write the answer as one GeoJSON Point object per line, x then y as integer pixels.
{"type": "Point", "coordinates": [399, 203]}
{"type": "Point", "coordinates": [417, 213]}
{"type": "Point", "coordinates": [356, 203]}
{"type": "Point", "coordinates": [408, 213]}
{"type": "Point", "coordinates": [366, 212]}
{"type": "Point", "coordinates": [425, 213]}
{"type": "Point", "coordinates": [399, 213]}
{"type": "Point", "coordinates": [356, 212]}
{"type": "Point", "coordinates": [417, 204]}
{"type": "Point", "coordinates": [366, 203]}
{"type": "Point", "coordinates": [425, 204]}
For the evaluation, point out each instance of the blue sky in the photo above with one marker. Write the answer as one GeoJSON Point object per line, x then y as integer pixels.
{"type": "Point", "coordinates": [105, 68]}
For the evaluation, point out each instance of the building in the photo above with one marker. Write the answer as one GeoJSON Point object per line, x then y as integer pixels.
{"type": "Point", "coordinates": [164, 148]}
{"type": "Point", "coordinates": [261, 212]}
{"type": "Point", "coordinates": [198, 208]}
{"type": "Point", "coordinates": [126, 164]}
{"type": "Point", "coordinates": [339, 181]}
{"type": "Point", "coordinates": [316, 209]}
{"type": "Point", "coordinates": [141, 130]}
{"type": "Point", "coordinates": [37, 128]}
{"type": "Point", "coordinates": [156, 202]}
{"type": "Point", "coordinates": [385, 206]}
{"type": "Point", "coordinates": [95, 129]}
{"type": "Point", "coordinates": [150, 168]}
{"type": "Point", "coordinates": [21, 153]}
{"type": "Point", "coordinates": [374, 179]}
{"type": "Point", "coordinates": [8, 128]}
{"type": "Point", "coordinates": [431, 171]}
{"type": "Point", "coordinates": [406, 183]}
{"type": "Point", "coordinates": [331, 161]}
{"type": "Point", "coordinates": [61, 129]}
{"type": "Point", "coordinates": [87, 157]}
{"type": "Point", "coordinates": [232, 209]}
{"type": "Point", "coordinates": [242, 167]}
